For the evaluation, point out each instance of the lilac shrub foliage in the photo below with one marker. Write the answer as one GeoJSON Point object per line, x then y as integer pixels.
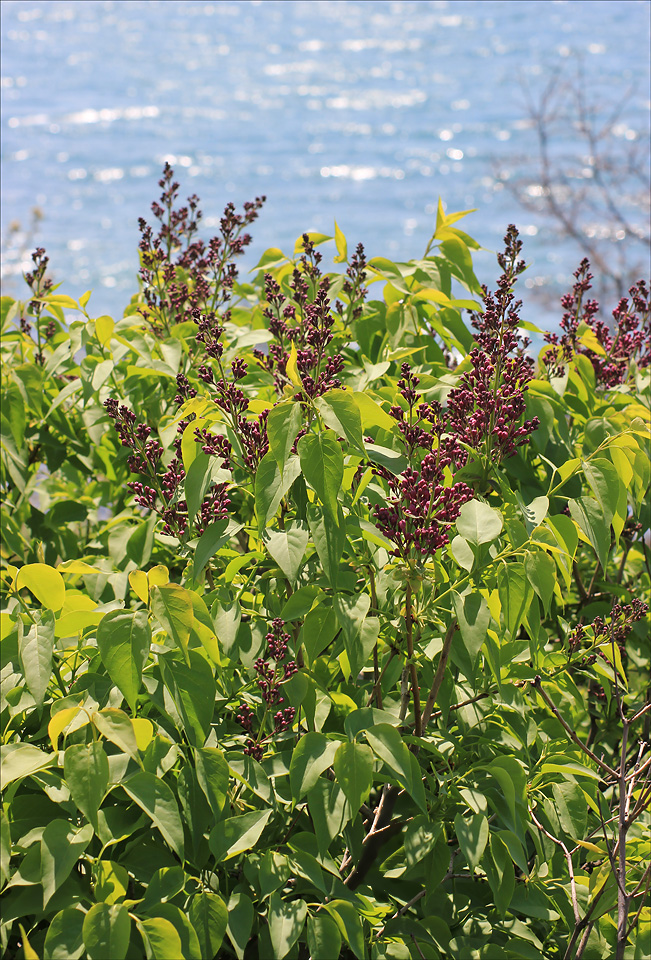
{"type": "Point", "coordinates": [324, 621]}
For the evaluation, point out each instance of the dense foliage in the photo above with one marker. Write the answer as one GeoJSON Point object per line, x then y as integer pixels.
{"type": "Point", "coordinates": [323, 629]}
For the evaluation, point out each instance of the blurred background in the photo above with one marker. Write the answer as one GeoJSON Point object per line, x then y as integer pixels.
{"type": "Point", "coordinates": [535, 112]}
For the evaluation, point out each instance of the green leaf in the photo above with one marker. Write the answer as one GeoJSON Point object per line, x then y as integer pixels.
{"type": "Point", "coordinates": [171, 604]}
{"type": "Point", "coordinates": [462, 553]}
{"type": "Point", "coordinates": [388, 745]}
{"type": "Point", "coordinates": [590, 518]}
{"type": "Point", "coordinates": [209, 918]}
{"type": "Point", "coordinates": [190, 947]}
{"type": "Point", "coordinates": [286, 922]}
{"type": "Point", "coordinates": [45, 582]}
{"type": "Point", "coordinates": [61, 847]}
{"type": "Point", "coordinates": [86, 770]}
{"type": "Point", "coordinates": [501, 877]}
{"type": "Point", "coordinates": [353, 765]}
{"type": "Point", "coordinates": [35, 650]}
{"type": "Point", "coordinates": [163, 886]}
{"type": "Point", "coordinates": [240, 921]}
{"type": "Point", "coordinates": [111, 881]}
{"type": "Point", "coordinates": [64, 938]}
{"type": "Point", "coordinates": [373, 415]}
{"type": "Point", "coordinates": [473, 617]}
{"type": "Point", "coordinates": [5, 849]}
{"type": "Point", "coordinates": [314, 236]}
{"type": "Point", "coordinates": [161, 939]}
{"type": "Point", "coordinates": [213, 537]}
{"type": "Point", "coordinates": [319, 629]}
{"type": "Point", "coordinates": [571, 808]}
{"type": "Point", "coordinates": [605, 484]}
{"type": "Point", "coordinates": [314, 754]}
{"type": "Point", "coordinates": [271, 485]}
{"type": "Point", "coordinates": [123, 640]}
{"type": "Point", "coordinates": [420, 839]}
{"type": "Point", "coordinates": [283, 424]}
{"type": "Point", "coordinates": [340, 412]}
{"type": "Point", "coordinates": [322, 463]}
{"type": "Point", "coordinates": [116, 726]}
{"type": "Point", "coordinates": [157, 800]}
{"type": "Point", "coordinates": [287, 547]}
{"type": "Point", "coordinates": [212, 775]}
{"type": "Point", "coordinates": [193, 689]}
{"type": "Point", "coordinates": [515, 595]}
{"type": "Point", "coordinates": [323, 937]}
{"type": "Point", "coordinates": [237, 834]}
{"type": "Point", "coordinates": [535, 512]}
{"type": "Point", "coordinates": [350, 925]}
{"type": "Point", "coordinates": [479, 523]}
{"type": "Point", "coordinates": [20, 760]}
{"type": "Point", "coordinates": [202, 473]}
{"type": "Point", "coordinates": [327, 806]}
{"type": "Point", "coordinates": [227, 618]}
{"type": "Point", "coordinates": [329, 539]}
{"type": "Point", "coordinates": [541, 573]}
{"type": "Point", "coordinates": [472, 834]}
{"type": "Point", "coordinates": [28, 951]}
{"type": "Point", "coordinates": [351, 613]}
{"type": "Point", "coordinates": [106, 931]}
{"type": "Point", "coordinates": [300, 603]}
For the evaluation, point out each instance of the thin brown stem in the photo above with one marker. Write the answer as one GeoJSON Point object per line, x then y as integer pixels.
{"type": "Point", "coordinates": [440, 673]}
{"type": "Point", "coordinates": [537, 685]}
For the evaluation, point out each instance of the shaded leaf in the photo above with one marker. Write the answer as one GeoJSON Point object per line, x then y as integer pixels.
{"type": "Point", "coordinates": [157, 800]}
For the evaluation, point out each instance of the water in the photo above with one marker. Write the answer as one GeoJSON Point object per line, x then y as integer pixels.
{"type": "Point", "coordinates": [361, 111]}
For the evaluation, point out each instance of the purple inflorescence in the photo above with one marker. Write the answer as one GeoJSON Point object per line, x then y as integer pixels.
{"type": "Point", "coordinates": [273, 669]}
{"type": "Point", "coordinates": [628, 340]}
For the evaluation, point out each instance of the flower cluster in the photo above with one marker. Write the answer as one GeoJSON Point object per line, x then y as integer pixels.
{"type": "Point", "coordinates": [161, 493]}
{"type": "Point", "coordinates": [273, 670]}
{"type": "Point", "coordinates": [421, 506]}
{"type": "Point", "coordinates": [249, 435]}
{"type": "Point", "coordinates": [616, 630]}
{"type": "Point", "coordinates": [306, 322]}
{"type": "Point", "coordinates": [484, 414]}
{"type": "Point", "coordinates": [485, 409]}
{"type": "Point", "coordinates": [627, 339]}
{"type": "Point", "coordinates": [181, 274]}
{"type": "Point", "coordinates": [420, 510]}
{"type": "Point", "coordinates": [39, 285]}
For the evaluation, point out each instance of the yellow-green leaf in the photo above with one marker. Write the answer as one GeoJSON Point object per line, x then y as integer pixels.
{"type": "Point", "coordinates": [45, 582]}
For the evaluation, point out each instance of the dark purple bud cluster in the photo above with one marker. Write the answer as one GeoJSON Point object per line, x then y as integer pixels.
{"type": "Point", "coordinates": [354, 284]}
{"type": "Point", "coordinates": [162, 493]}
{"type": "Point", "coordinates": [273, 670]}
{"type": "Point", "coordinates": [306, 320]}
{"type": "Point", "coordinates": [180, 273]}
{"type": "Point", "coordinates": [485, 409]}
{"type": "Point", "coordinates": [136, 437]}
{"type": "Point", "coordinates": [420, 510]}
{"type": "Point", "coordinates": [39, 285]}
{"type": "Point", "coordinates": [215, 445]}
{"type": "Point", "coordinates": [186, 391]}
{"type": "Point", "coordinates": [626, 340]}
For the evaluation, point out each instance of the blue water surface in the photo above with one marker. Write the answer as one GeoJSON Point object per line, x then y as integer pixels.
{"type": "Point", "coordinates": [361, 111]}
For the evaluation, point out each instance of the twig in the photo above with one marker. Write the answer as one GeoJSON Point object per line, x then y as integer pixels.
{"type": "Point", "coordinates": [568, 858]}
{"type": "Point", "coordinates": [536, 683]}
{"type": "Point", "coordinates": [440, 673]}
